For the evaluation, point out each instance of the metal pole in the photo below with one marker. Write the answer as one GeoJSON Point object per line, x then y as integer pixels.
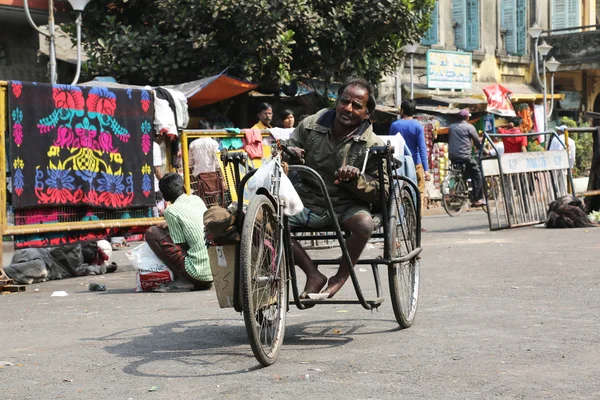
{"type": "Point", "coordinates": [545, 96]}
{"type": "Point", "coordinates": [51, 53]}
{"type": "Point", "coordinates": [537, 61]}
{"type": "Point", "coordinates": [185, 162]}
{"type": "Point", "coordinates": [551, 94]}
{"type": "Point", "coordinates": [412, 84]}
{"type": "Point", "coordinates": [49, 35]}
{"type": "Point", "coordinates": [398, 88]}
{"type": "Point", "coordinates": [78, 71]}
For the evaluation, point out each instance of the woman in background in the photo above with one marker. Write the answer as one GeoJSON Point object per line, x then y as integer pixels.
{"type": "Point", "coordinates": [287, 119]}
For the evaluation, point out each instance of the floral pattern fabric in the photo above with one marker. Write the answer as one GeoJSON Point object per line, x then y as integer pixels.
{"type": "Point", "coordinates": [72, 145]}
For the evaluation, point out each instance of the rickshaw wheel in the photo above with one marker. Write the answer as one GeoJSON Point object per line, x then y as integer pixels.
{"type": "Point", "coordinates": [404, 276]}
{"type": "Point", "coordinates": [263, 278]}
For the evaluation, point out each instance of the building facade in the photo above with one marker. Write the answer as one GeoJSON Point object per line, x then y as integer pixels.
{"type": "Point", "coordinates": [495, 33]}
{"type": "Point", "coordinates": [20, 43]}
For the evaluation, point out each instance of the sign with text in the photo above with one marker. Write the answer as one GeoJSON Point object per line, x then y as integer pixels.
{"type": "Point", "coordinates": [449, 69]}
{"type": "Point", "coordinates": [513, 163]}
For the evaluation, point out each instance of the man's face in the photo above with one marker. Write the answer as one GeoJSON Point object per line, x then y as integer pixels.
{"type": "Point", "coordinates": [351, 108]}
{"type": "Point", "coordinates": [265, 116]}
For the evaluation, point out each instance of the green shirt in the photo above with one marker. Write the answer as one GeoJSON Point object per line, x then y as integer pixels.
{"type": "Point", "coordinates": [325, 156]}
{"type": "Point", "coordinates": [186, 225]}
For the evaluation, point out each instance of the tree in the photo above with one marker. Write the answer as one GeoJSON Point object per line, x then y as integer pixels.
{"type": "Point", "coordinates": [269, 41]}
{"type": "Point", "coordinates": [584, 148]}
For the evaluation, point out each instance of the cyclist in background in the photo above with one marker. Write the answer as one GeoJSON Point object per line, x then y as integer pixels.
{"type": "Point", "coordinates": [460, 136]}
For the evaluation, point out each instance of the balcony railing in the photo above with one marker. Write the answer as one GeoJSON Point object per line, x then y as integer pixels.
{"type": "Point", "coordinates": [574, 47]}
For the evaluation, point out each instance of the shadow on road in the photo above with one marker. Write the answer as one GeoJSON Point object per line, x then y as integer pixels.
{"type": "Point", "coordinates": [218, 347]}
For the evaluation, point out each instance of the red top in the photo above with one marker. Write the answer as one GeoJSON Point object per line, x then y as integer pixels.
{"type": "Point", "coordinates": [513, 144]}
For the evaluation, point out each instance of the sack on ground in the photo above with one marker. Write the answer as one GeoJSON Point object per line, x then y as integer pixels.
{"type": "Point", "coordinates": [151, 271]}
{"type": "Point", "coordinates": [262, 178]}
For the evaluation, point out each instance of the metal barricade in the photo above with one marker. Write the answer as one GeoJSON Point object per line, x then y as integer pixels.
{"type": "Point", "coordinates": [519, 186]}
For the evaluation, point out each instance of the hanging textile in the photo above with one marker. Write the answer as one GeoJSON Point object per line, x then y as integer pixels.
{"type": "Point", "coordinates": [73, 145]}
{"type": "Point", "coordinates": [253, 143]}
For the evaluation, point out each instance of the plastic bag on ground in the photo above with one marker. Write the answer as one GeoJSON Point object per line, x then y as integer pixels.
{"type": "Point", "coordinates": [151, 271]}
{"type": "Point", "coordinates": [292, 204]}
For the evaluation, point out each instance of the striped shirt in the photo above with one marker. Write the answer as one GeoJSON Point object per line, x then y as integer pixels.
{"type": "Point", "coordinates": [186, 225]}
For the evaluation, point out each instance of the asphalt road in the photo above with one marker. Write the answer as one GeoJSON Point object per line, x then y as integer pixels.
{"type": "Point", "coordinates": [504, 315]}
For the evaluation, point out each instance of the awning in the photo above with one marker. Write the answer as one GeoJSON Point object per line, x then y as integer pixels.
{"type": "Point", "coordinates": [199, 93]}
{"type": "Point", "coordinates": [520, 92]}
{"type": "Point", "coordinates": [213, 89]}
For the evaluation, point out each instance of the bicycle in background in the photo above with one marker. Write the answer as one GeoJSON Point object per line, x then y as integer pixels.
{"type": "Point", "coordinates": [456, 191]}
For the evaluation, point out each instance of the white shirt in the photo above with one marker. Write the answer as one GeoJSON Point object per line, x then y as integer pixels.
{"type": "Point", "coordinates": [499, 147]}
{"type": "Point", "coordinates": [157, 162]}
{"type": "Point", "coordinates": [203, 155]}
{"type": "Point", "coordinates": [556, 145]}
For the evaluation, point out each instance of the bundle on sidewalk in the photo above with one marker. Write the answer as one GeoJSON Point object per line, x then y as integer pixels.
{"type": "Point", "coordinates": [37, 265]}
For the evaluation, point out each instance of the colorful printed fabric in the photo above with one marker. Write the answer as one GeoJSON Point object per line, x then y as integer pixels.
{"type": "Point", "coordinates": [72, 145]}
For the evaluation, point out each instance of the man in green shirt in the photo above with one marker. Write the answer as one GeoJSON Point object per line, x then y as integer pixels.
{"type": "Point", "coordinates": [335, 143]}
{"type": "Point", "coordinates": [179, 242]}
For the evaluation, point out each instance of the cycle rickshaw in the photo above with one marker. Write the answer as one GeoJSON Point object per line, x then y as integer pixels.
{"type": "Point", "coordinates": [265, 268]}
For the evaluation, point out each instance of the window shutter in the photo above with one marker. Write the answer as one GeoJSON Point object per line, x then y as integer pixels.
{"type": "Point", "coordinates": [521, 27]}
{"type": "Point", "coordinates": [459, 19]}
{"type": "Point", "coordinates": [573, 18]}
{"type": "Point", "coordinates": [559, 14]}
{"type": "Point", "coordinates": [509, 23]}
{"type": "Point", "coordinates": [431, 36]}
{"type": "Point", "coordinates": [472, 25]}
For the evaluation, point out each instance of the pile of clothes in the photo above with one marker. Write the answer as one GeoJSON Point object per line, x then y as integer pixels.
{"type": "Point", "coordinates": [568, 212]}
{"type": "Point", "coordinates": [36, 265]}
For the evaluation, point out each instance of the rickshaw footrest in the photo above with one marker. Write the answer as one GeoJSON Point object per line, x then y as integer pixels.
{"type": "Point", "coordinates": [376, 302]}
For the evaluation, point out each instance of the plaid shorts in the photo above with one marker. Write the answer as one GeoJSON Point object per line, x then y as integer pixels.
{"type": "Point", "coordinates": [308, 218]}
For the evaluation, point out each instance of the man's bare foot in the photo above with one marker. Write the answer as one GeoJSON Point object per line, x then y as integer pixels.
{"type": "Point", "coordinates": [314, 284]}
{"type": "Point", "coordinates": [334, 285]}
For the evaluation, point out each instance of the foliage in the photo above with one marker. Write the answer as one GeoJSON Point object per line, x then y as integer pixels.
{"type": "Point", "coordinates": [584, 150]}
{"type": "Point", "coordinates": [534, 145]}
{"type": "Point", "coordinates": [272, 41]}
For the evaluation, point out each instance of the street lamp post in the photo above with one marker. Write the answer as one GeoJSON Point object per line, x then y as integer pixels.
{"type": "Point", "coordinates": [78, 6]}
{"type": "Point", "coordinates": [551, 65]}
{"type": "Point", "coordinates": [411, 49]}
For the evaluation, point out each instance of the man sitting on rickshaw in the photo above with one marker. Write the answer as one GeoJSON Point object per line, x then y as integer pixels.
{"type": "Point", "coordinates": [334, 142]}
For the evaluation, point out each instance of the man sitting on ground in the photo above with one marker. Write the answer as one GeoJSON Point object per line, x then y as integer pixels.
{"type": "Point", "coordinates": [334, 143]}
{"type": "Point", "coordinates": [179, 242]}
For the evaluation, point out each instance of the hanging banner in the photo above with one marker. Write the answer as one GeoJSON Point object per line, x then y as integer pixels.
{"type": "Point", "coordinates": [498, 101]}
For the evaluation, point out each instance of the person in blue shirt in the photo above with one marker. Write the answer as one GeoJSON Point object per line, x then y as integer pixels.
{"type": "Point", "coordinates": [414, 136]}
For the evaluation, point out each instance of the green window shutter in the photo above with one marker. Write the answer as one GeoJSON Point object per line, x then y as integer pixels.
{"type": "Point", "coordinates": [459, 19]}
{"type": "Point", "coordinates": [521, 27]}
{"type": "Point", "coordinates": [573, 17]}
{"type": "Point", "coordinates": [559, 14]}
{"type": "Point", "coordinates": [431, 36]}
{"type": "Point", "coordinates": [510, 24]}
{"type": "Point", "coordinates": [472, 16]}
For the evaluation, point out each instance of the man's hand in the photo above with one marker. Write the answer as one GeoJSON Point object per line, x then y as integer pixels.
{"type": "Point", "coordinates": [427, 176]}
{"type": "Point", "coordinates": [298, 152]}
{"type": "Point", "coordinates": [347, 173]}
